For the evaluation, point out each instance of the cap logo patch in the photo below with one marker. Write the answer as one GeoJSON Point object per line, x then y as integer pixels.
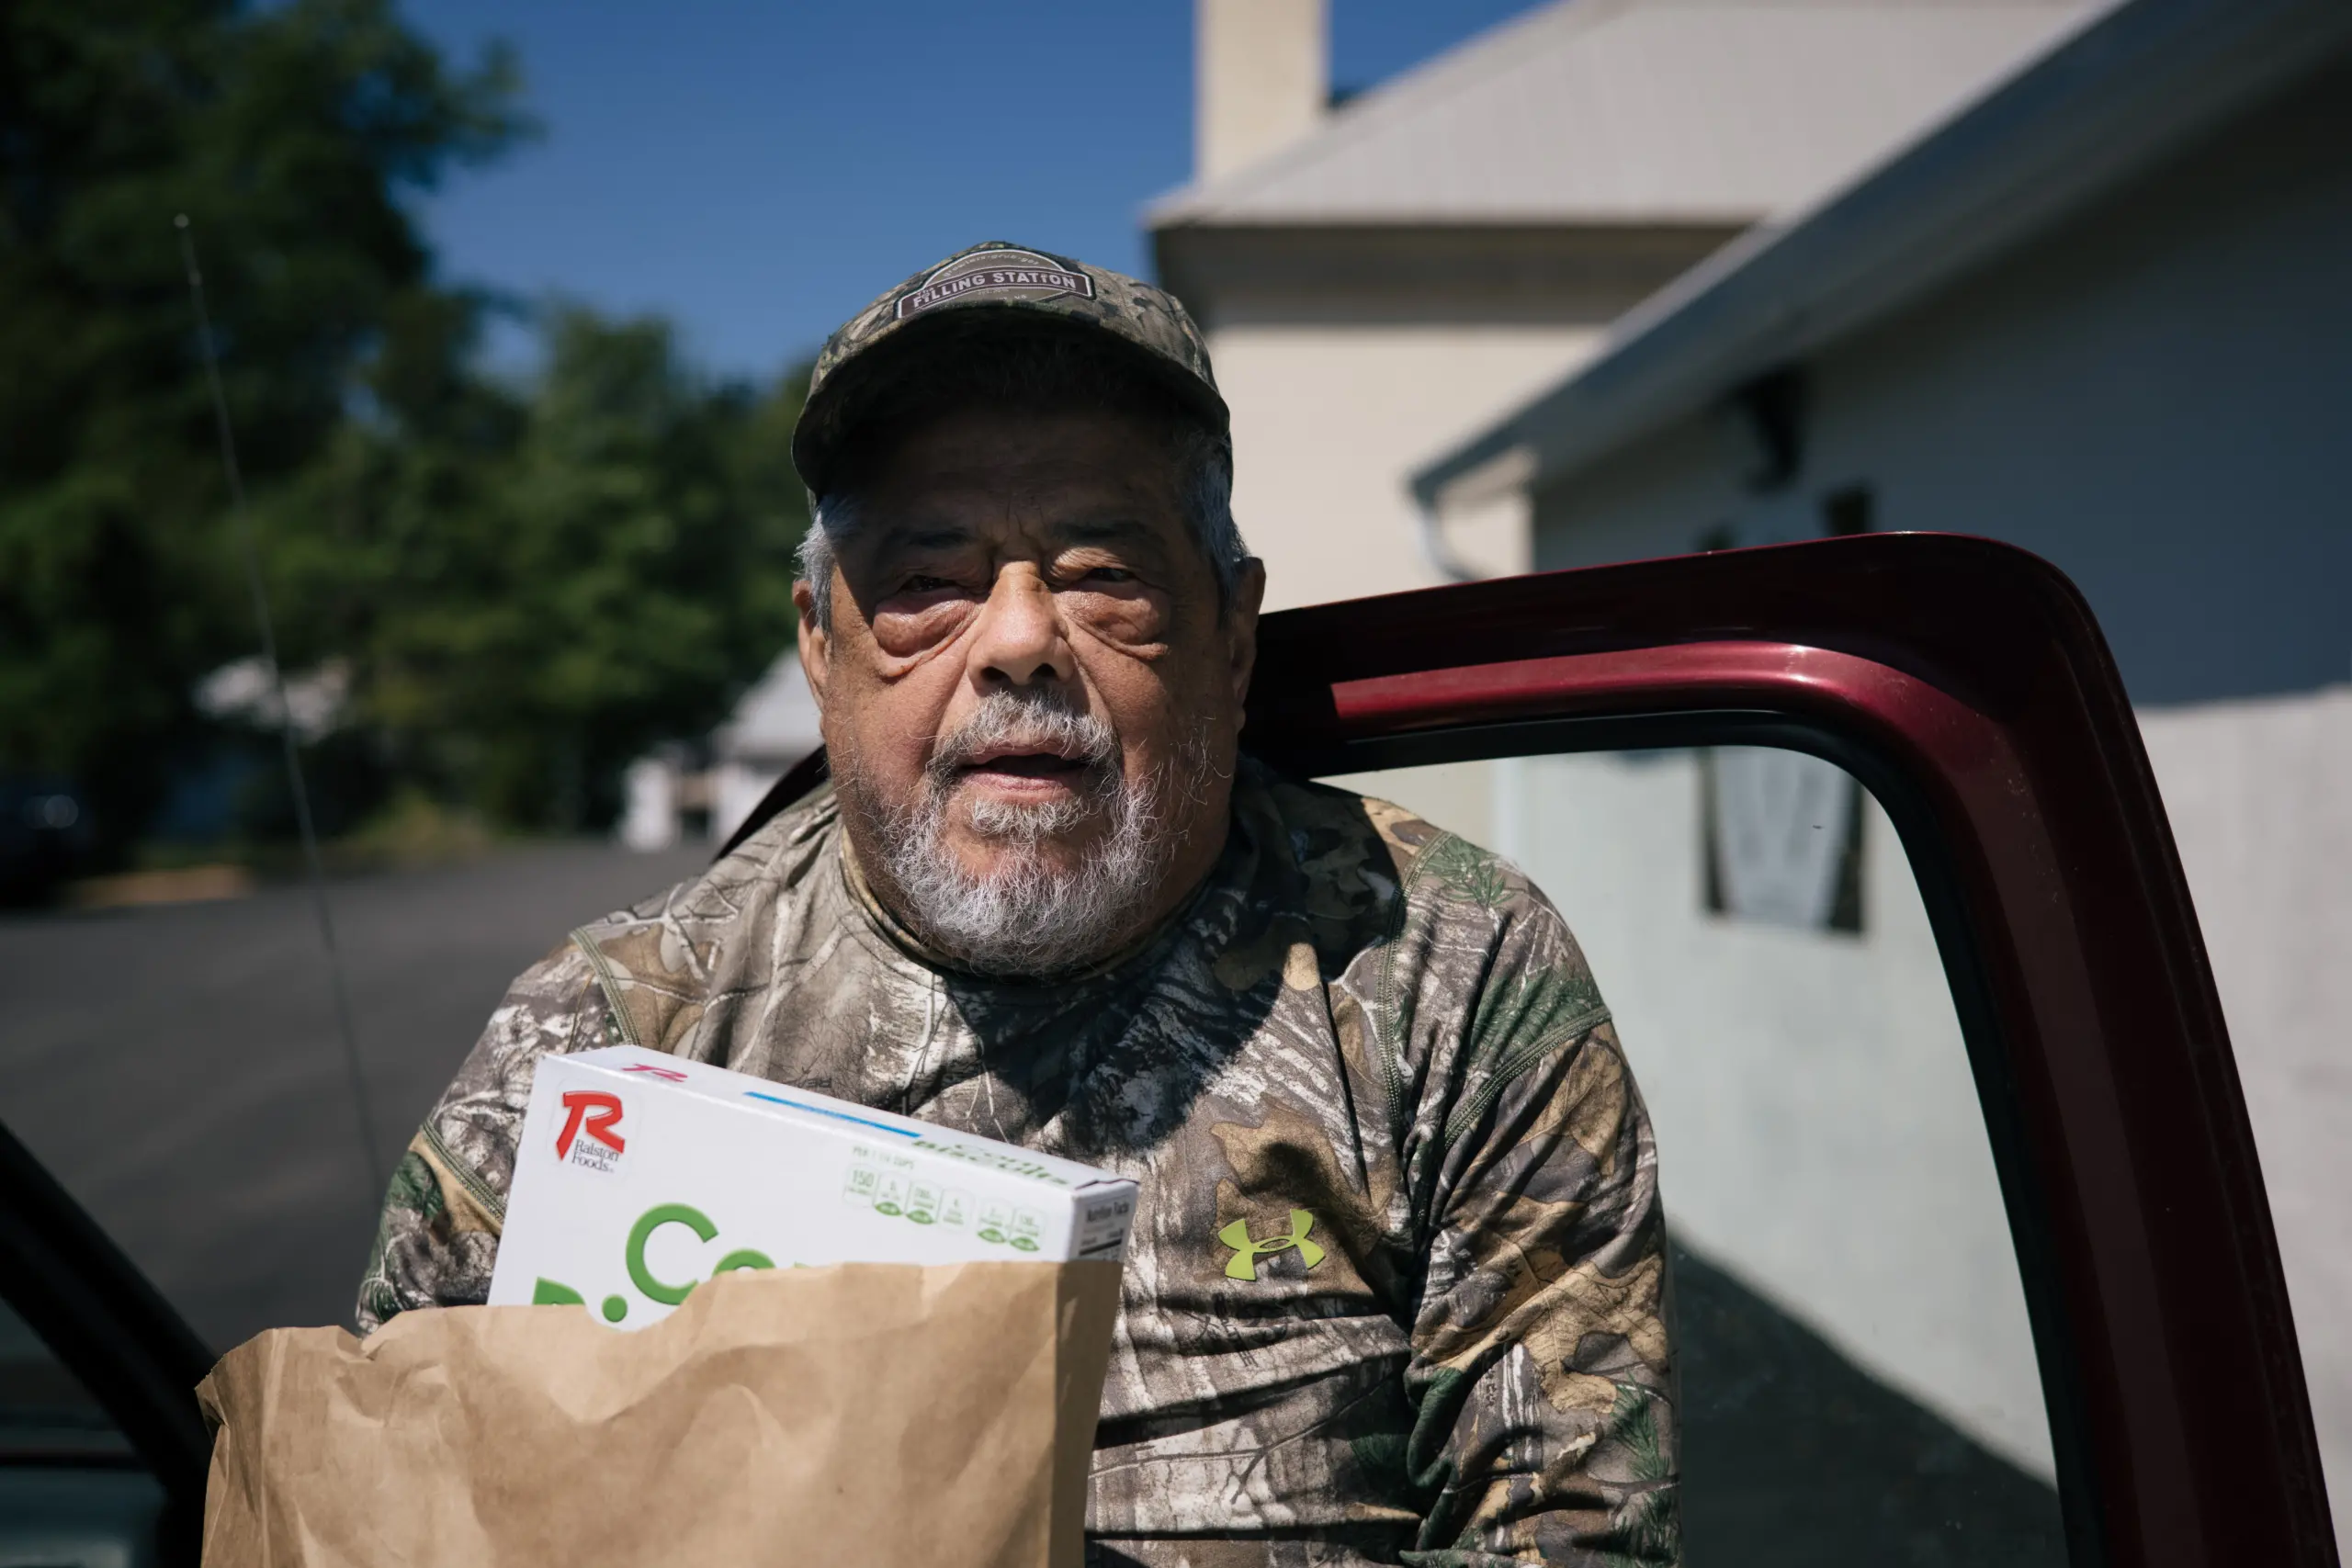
{"type": "Point", "coordinates": [999, 275]}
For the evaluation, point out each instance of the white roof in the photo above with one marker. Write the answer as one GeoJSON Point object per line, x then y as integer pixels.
{"type": "Point", "coordinates": [2096, 111]}
{"type": "Point", "coordinates": [1640, 112]}
{"type": "Point", "coordinates": [776, 722]}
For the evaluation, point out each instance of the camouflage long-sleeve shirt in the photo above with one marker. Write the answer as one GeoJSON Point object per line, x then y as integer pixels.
{"type": "Point", "coordinates": [1362, 1033]}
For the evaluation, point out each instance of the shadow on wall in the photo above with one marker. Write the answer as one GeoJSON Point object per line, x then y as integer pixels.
{"type": "Point", "coordinates": [1793, 1457]}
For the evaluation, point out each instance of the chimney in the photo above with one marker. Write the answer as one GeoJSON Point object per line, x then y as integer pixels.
{"type": "Point", "coordinates": [1261, 78]}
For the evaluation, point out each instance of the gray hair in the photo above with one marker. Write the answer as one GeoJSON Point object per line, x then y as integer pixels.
{"type": "Point", "coordinates": [1204, 493]}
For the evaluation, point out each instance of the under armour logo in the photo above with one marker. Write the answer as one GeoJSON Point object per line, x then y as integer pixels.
{"type": "Point", "coordinates": [1246, 1252]}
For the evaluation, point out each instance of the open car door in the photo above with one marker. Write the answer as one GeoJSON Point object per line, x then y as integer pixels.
{"type": "Point", "coordinates": [1966, 686]}
{"type": "Point", "coordinates": [102, 1451]}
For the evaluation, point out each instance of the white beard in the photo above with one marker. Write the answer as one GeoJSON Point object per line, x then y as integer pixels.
{"type": "Point", "coordinates": [1029, 916]}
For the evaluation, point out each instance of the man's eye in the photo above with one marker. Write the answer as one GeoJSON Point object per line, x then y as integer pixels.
{"type": "Point", "coordinates": [1107, 574]}
{"type": "Point", "coordinates": [924, 584]}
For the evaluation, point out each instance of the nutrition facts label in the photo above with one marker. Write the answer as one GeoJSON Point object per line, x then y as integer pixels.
{"type": "Point", "coordinates": [898, 1195]}
{"type": "Point", "coordinates": [1014, 1227]}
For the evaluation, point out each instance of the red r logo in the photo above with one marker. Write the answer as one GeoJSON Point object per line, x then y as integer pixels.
{"type": "Point", "coordinates": [593, 1111]}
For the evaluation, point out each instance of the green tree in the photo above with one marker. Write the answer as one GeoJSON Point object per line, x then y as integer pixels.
{"type": "Point", "coordinates": [532, 590]}
{"type": "Point", "coordinates": [288, 133]}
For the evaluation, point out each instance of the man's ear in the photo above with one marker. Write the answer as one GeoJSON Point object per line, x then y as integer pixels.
{"type": "Point", "coordinates": [1241, 625]}
{"type": "Point", "coordinates": [816, 643]}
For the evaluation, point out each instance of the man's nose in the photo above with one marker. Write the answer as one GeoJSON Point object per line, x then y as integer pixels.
{"type": "Point", "coordinates": [1022, 638]}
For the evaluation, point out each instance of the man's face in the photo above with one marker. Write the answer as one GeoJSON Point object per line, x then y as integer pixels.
{"type": "Point", "coordinates": [1031, 694]}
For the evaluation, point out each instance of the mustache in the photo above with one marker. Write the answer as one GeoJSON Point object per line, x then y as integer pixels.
{"type": "Point", "coordinates": [1024, 719]}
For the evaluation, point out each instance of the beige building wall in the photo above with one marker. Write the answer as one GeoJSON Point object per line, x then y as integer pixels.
{"type": "Point", "coordinates": [1263, 67]}
{"type": "Point", "coordinates": [1329, 421]}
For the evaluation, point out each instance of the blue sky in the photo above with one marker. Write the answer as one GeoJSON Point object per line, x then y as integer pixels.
{"type": "Point", "coordinates": [757, 169]}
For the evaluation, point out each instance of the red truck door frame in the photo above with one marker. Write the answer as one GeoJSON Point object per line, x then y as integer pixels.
{"type": "Point", "coordinates": [1965, 683]}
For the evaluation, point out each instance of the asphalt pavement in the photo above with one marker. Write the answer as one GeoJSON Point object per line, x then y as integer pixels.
{"type": "Point", "coordinates": [177, 1067]}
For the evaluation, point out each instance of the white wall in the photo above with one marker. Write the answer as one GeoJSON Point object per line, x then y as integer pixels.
{"type": "Point", "coordinates": [2262, 810]}
{"type": "Point", "coordinates": [2159, 401]}
{"type": "Point", "coordinates": [2157, 398]}
{"type": "Point", "coordinates": [1818, 1124]}
{"type": "Point", "coordinates": [650, 811]}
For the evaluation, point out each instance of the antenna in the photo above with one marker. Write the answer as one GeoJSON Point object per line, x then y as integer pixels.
{"type": "Point", "coordinates": [243, 523]}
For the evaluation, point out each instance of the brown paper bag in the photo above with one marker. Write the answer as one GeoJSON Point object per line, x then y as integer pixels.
{"type": "Point", "coordinates": [866, 1413]}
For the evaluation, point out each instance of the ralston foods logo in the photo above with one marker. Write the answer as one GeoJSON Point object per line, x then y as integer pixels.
{"type": "Point", "coordinates": [592, 1130]}
{"type": "Point", "coordinates": [998, 274]}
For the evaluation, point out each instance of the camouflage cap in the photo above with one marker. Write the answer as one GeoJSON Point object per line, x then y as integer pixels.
{"type": "Point", "coordinates": [1003, 287]}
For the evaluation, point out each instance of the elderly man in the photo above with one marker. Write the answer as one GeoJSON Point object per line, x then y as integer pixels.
{"type": "Point", "coordinates": [1395, 1290]}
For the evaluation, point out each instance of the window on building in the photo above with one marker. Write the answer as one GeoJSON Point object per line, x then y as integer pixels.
{"type": "Point", "coordinates": [1781, 839]}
